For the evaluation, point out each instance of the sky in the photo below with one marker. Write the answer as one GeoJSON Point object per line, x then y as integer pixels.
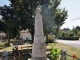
{"type": "Point", "coordinates": [73, 8]}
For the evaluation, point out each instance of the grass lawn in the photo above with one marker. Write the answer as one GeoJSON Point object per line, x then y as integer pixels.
{"type": "Point", "coordinates": [70, 50]}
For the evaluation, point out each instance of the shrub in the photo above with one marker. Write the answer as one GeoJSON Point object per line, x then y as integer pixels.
{"type": "Point", "coordinates": [51, 38]}
{"type": "Point", "coordinates": [27, 40]}
{"type": "Point", "coordinates": [70, 37]}
{"type": "Point", "coordinates": [78, 34]}
{"type": "Point", "coordinates": [71, 34]}
{"type": "Point", "coordinates": [1, 44]}
{"type": "Point", "coordinates": [6, 43]}
{"type": "Point", "coordinates": [54, 53]}
{"type": "Point", "coordinates": [11, 44]}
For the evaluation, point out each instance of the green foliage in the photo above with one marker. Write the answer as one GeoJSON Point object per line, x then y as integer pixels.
{"type": "Point", "coordinates": [1, 25]}
{"type": "Point", "coordinates": [75, 31]}
{"type": "Point", "coordinates": [53, 17]}
{"type": "Point", "coordinates": [10, 27]}
{"type": "Point", "coordinates": [1, 44]}
{"type": "Point", "coordinates": [55, 52]}
{"type": "Point", "coordinates": [78, 27]}
{"type": "Point", "coordinates": [6, 43]}
{"type": "Point", "coordinates": [27, 41]}
{"type": "Point", "coordinates": [60, 16]}
{"type": "Point", "coordinates": [68, 36]}
{"type": "Point", "coordinates": [45, 40]}
{"type": "Point", "coordinates": [63, 34]}
{"type": "Point", "coordinates": [25, 13]}
{"type": "Point", "coordinates": [21, 13]}
{"type": "Point", "coordinates": [51, 38]}
{"type": "Point", "coordinates": [79, 34]}
{"type": "Point", "coordinates": [71, 34]}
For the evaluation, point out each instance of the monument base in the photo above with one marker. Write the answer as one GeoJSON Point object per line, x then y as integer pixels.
{"type": "Point", "coordinates": [39, 50]}
{"type": "Point", "coordinates": [39, 58]}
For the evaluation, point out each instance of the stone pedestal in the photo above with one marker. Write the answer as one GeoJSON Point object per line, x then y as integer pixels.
{"type": "Point", "coordinates": [39, 58]}
{"type": "Point", "coordinates": [39, 46]}
{"type": "Point", "coordinates": [39, 51]}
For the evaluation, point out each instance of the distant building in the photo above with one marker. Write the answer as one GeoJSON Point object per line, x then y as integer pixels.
{"type": "Point", "coordinates": [23, 34]}
{"type": "Point", "coordinates": [66, 30]}
{"type": "Point", "coordinates": [2, 34]}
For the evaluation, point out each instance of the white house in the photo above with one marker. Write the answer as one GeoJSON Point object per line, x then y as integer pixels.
{"type": "Point", "coordinates": [2, 34]}
{"type": "Point", "coordinates": [25, 34]}
{"type": "Point", "coordinates": [66, 30]}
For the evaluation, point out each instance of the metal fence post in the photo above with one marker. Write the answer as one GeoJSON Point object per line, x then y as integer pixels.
{"type": "Point", "coordinates": [63, 55]}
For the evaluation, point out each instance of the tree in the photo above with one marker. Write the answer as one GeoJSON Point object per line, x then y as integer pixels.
{"type": "Point", "coordinates": [47, 13]}
{"type": "Point", "coordinates": [78, 27]}
{"type": "Point", "coordinates": [53, 17]}
{"type": "Point", "coordinates": [46, 17]}
{"type": "Point", "coordinates": [25, 10]}
{"type": "Point", "coordinates": [8, 19]}
{"type": "Point", "coordinates": [75, 31]}
{"type": "Point", "coordinates": [22, 13]}
{"type": "Point", "coordinates": [1, 25]}
{"type": "Point", "coordinates": [59, 17]}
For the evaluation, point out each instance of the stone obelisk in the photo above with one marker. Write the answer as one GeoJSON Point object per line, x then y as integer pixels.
{"type": "Point", "coordinates": [39, 46]}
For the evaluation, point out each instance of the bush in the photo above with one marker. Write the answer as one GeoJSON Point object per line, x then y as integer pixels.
{"type": "Point", "coordinates": [11, 44]}
{"type": "Point", "coordinates": [27, 40]}
{"type": "Point", "coordinates": [6, 43]}
{"type": "Point", "coordinates": [51, 39]}
{"type": "Point", "coordinates": [70, 37]}
{"type": "Point", "coordinates": [1, 44]}
{"type": "Point", "coordinates": [54, 53]}
{"type": "Point", "coordinates": [71, 34]}
{"type": "Point", "coordinates": [78, 34]}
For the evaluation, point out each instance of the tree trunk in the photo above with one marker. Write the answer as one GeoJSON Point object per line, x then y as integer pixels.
{"type": "Point", "coordinates": [32, 34]}
{"type": "Point", "coordinates": [32, 38]}
{"type": "Point", "coordinates": [57, 32]}
{"type": "Point", "coordinates": [46, 38]}
{"type": "Point", "coordinates": [8, 40]}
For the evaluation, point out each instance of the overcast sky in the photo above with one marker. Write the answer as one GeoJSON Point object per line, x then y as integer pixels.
{"type": "Point", "coordinates": [73, 7]}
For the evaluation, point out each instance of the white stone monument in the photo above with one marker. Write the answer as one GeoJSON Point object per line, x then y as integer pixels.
{"type": "Point", "coordinates": [39, 46]}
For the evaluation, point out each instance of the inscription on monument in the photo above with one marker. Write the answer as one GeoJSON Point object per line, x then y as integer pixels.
{"type": "Point", "coordinates": [39, 50]}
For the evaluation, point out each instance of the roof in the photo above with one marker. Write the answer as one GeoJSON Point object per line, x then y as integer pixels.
{"type": "Point", "coordinates": [24, 31]}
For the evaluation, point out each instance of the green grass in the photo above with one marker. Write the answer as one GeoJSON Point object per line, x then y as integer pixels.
{"type": "Point", "coordinates": [70, 50]}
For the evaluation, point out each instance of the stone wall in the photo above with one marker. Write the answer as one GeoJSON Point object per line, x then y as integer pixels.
{"type": "Point", "coordinates": [18, 42]}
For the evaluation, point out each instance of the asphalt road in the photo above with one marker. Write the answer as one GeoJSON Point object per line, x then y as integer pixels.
{"type": "Point", "coordinates": [74, 43]}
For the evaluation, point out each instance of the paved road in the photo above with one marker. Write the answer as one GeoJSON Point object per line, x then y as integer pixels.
{"type": "Point", "coordinates": [73, 43]}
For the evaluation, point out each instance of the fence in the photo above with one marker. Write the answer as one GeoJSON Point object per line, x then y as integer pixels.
{"type": "Point", "coordinates": [64, 55]}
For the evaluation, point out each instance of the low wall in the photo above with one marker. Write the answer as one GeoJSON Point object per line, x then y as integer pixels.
{"type": "Point", "coordinates": [18, 42]}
